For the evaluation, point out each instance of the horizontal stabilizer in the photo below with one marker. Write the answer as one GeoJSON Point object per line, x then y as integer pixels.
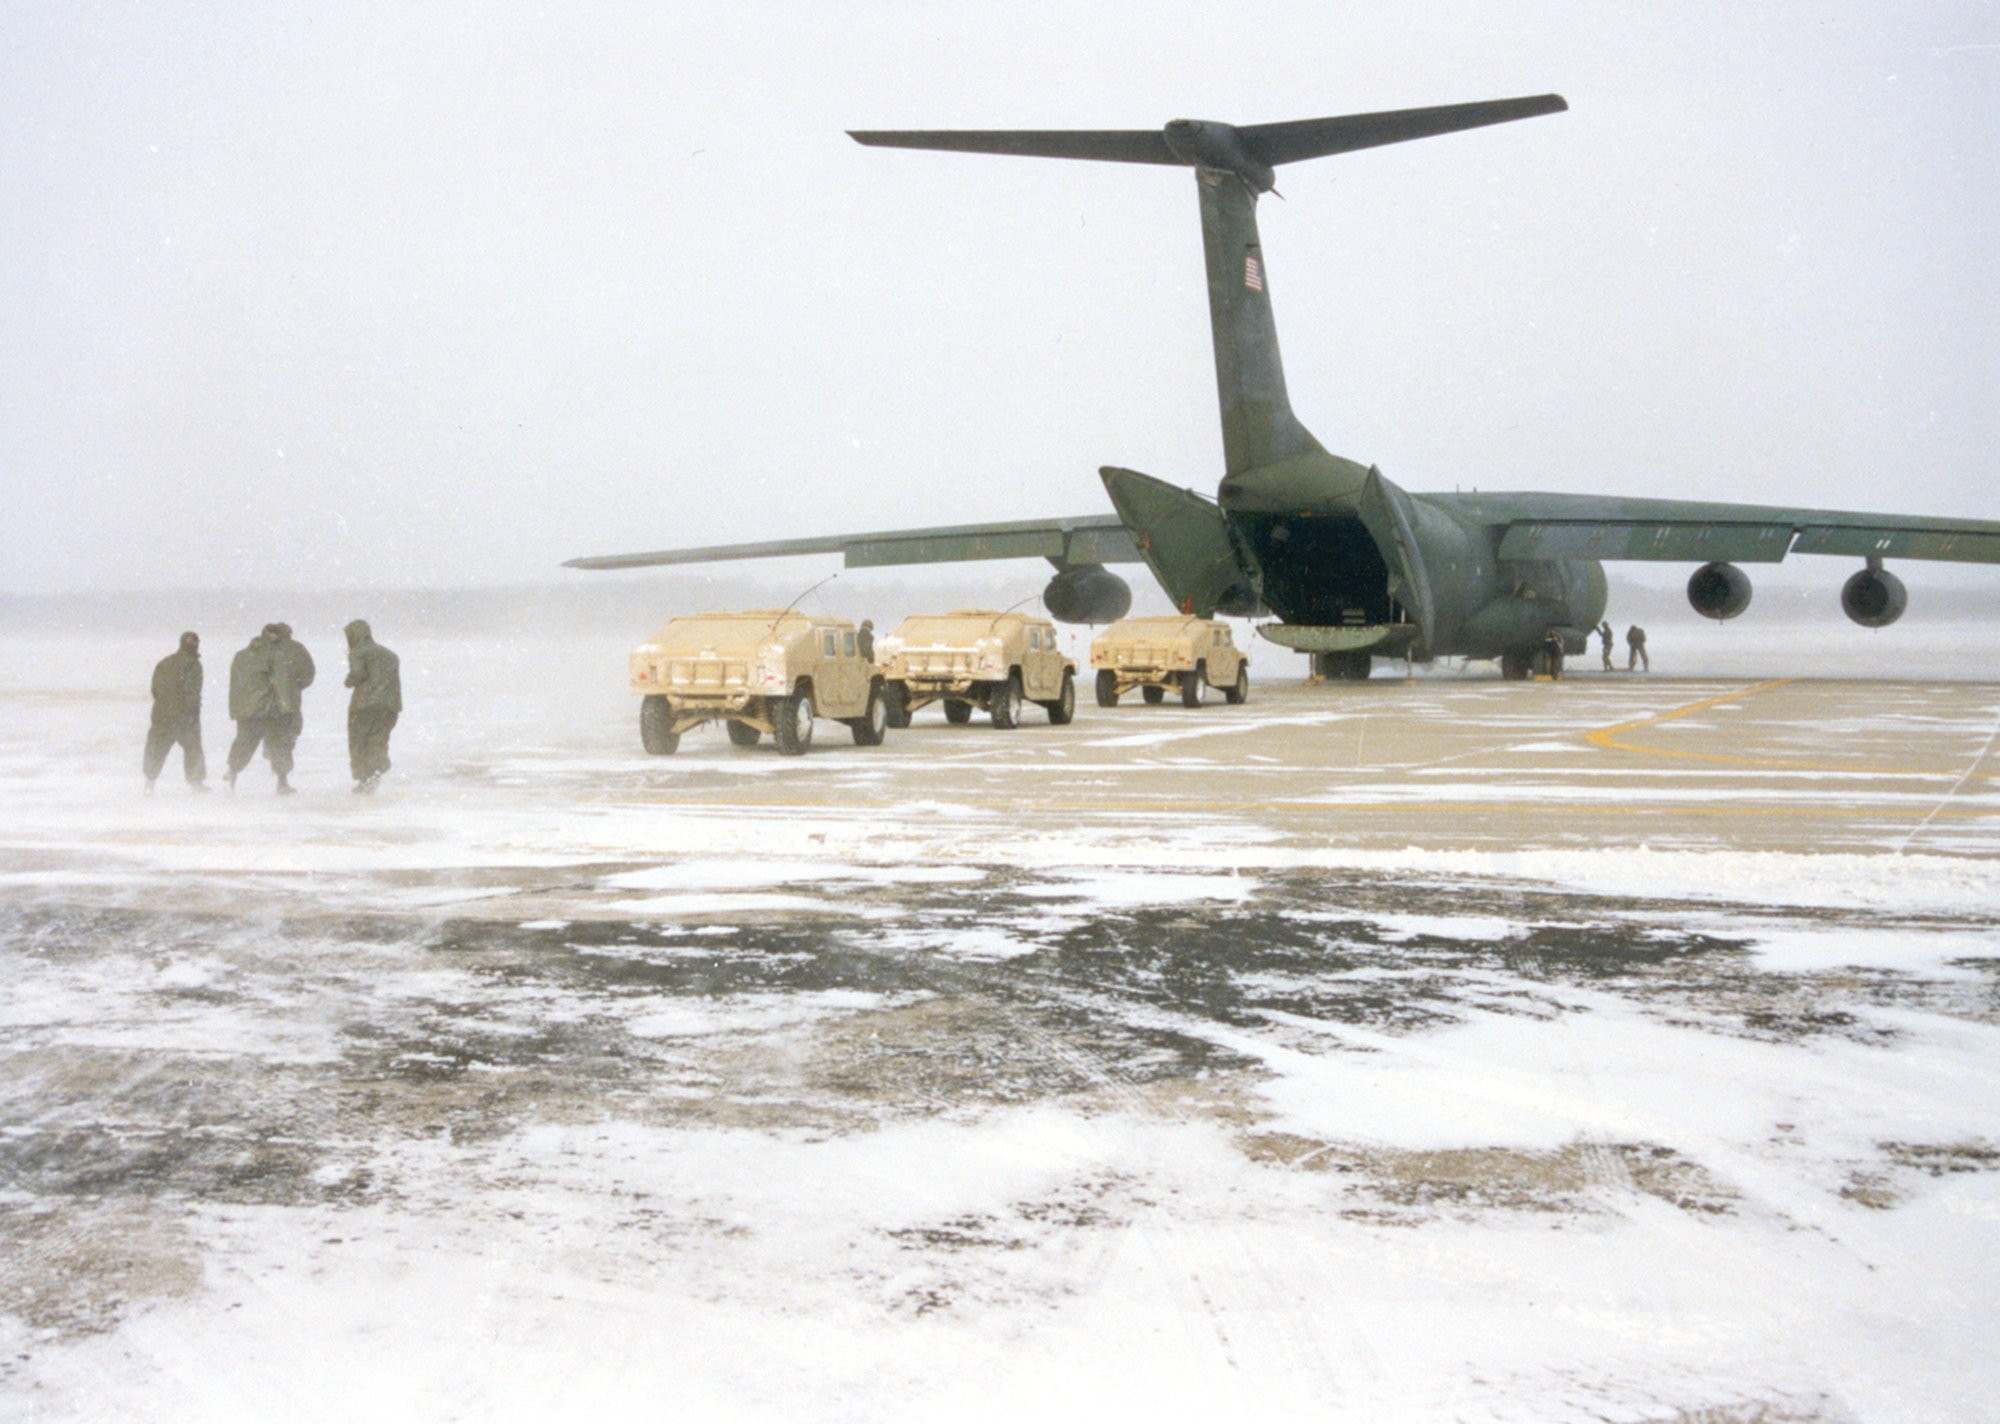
{"type": "Point", "coordinates": [1316, 138]}
{"type": "Point", "coordinates": [1250, 152]}
{"type": "Point", "coordinates": [1108, 145]}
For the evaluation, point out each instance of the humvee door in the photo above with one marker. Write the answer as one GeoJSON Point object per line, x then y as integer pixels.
{"type": "Point", "coordinates": [1042, 663]}
{"type": "Point", "coordinates": [1183, 539]}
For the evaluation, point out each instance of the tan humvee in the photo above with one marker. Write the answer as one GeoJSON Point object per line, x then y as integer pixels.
{"type": "Point", "coordinates": [976, 658]}
{"type": "Point", "coordinates": [764, 671]}
{"type": "Point", "coordinates": [1184, 654]}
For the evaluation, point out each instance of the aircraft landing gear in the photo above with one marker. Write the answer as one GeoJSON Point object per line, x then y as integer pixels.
{"type": "Point", "coordinates": [1520, 664]}
{"type": "Point", "coordinates": [1352, 666]}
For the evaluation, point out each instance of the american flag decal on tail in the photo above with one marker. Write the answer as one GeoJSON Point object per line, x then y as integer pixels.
{"type": "Point", "coordinates": [1253, 275]}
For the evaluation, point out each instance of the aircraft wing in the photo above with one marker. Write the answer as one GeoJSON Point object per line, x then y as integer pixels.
{"type": "Point", "coordinates": [1085, 539]}
{"type": "Point", "coordinates": [1563, 526]}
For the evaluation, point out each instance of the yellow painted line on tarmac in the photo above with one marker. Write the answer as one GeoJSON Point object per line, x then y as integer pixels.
{"type": "Point", "coordinates": [1608, 737]}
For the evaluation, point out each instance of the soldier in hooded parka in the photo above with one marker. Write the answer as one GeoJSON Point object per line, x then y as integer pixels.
{"type": "Point", "coordinates": [375, 674]}
{"type": "Point", "coordinates": [177, 714]}
{"type": "Point", "coordinates": [294, 677]}
{"type": "Point", "coordinates": [263, 700]}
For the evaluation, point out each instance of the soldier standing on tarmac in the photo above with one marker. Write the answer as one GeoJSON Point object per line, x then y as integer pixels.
{"type": "Point", "coordinates": [300, 673]}
{"type": "Point", "coordinates": [375, 674]}
{"type": "Point", "coordinates": [177, 715]}
{"type": "Point", "coordinates": [865, 640]}
{"type": "Point", "coordinates": [1552, 653]}
{"type": "Point", "coordinates": [1604, 632]}
{"type": "Point", "coordinates": [256, 710]}
{"type": "Point", "coordinates": [1635, 639]}
{"type": "Point", "coordinates": [265, 681]}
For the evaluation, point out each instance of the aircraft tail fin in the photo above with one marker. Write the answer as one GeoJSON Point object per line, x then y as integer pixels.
{"type": "Point", "coordinates": [1233, 165]}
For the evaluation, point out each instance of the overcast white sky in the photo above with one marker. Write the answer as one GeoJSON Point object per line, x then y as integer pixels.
{"type": "Point", "coordinates": [391, 294]}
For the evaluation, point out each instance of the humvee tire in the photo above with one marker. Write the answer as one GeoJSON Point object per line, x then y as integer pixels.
{"type": "Point", "coordinates": [743, 734]}
{"type": "Point", "coordinates": [793, 719]}
{"type": "Point", "coordinates": [1107, 688]}
{"type": "Point", "coordinates": [957, 713]}
{"type": "Point", "coordinates": [1194, 686]}
{"type": "Point", "coordinates": [1003, 699]}
{"type": "Point", "coordinates": [1062, 711]}
{"type": "Point", "coordinates": [896, 704]}
{"type": "Point", "coordinates": [871, 726]}
{"type": "Point", "coordinates": [656, 726]}
{"type": "Point", "coordinates": [1238, 695]}
{"type": "Point", "coordinates": [1154, 695]}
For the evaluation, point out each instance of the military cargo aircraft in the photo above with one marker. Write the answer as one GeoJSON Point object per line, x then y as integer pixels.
{"type": "Point", "coordinates": [1352, 565]}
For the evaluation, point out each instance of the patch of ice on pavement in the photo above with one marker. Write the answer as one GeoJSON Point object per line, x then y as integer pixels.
{"type": "Point", "coordinates": [190, 974]}
{"type": "Point", "coordinates": [1792, 950]}
{"type": "Point", "coordinates": [423, 899]}
{"type": "Point", "coordinates": [737, 873]}
{"type": "Point", "coordinates": [1915, 883]}
{"type": "Point", "coordinates": [723, 904]}
{"type": "Point", "coordinates": [1602, 1070]}
{"type": "Point", "coordinates": [981, 942]}
{"type": "Point", "coordinates": [67, 878]}
{"type": "Point", "coordinates": [692, 1018]}
{"type": "Point", "coordinates": [1125, 891]}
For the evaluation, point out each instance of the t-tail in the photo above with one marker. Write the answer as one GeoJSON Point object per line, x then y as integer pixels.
{"type": "Point", "coordinates": [1271, 460]}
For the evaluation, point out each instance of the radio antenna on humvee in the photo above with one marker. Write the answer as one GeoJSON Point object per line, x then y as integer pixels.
{"type": "Point", "coordinates": [1010, 608]}
{"type": "Point", "coordinates": [795, 602]}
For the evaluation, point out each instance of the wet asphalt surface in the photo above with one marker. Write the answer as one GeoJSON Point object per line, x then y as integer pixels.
{"type": "Point", "coordinates": [163, 1063]}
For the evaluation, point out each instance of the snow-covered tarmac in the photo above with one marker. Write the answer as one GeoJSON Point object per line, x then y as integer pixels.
{"type": "Point", "coordinates": [1622, 1048]}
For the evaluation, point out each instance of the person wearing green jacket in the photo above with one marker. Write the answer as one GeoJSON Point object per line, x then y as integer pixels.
{"type": "Point", "coordinates": [376, 676]}
{"type": "Point", "coordinates": [177, 714]}
{"type": "Point", "coordinates": [264, 684]}
{"type": "Point", "coordinates": [294, 676]}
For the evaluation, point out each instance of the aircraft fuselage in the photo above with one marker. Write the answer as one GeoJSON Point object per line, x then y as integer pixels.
{"type": "Point", "coordinates": [1304, 535]}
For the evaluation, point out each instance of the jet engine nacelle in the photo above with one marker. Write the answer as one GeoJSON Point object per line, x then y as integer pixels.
{"type": "Point", "coordinates": [1087, 593]}
{"type": "Point", "coordinates": [1874, 598]}
{"type": "Point", "coordinates": [1719, 591]}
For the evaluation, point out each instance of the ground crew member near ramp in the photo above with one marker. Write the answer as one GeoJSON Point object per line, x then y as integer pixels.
{"type": "Point", "coordinates": [376, 676]}
{"type": "Point", "coordinates": [1635, 640]}
{"type": "Point", "coordinates": [1552, 653]}
{"type": "Point", "coordinates": [177, 714]}
{"type": "Point", "coordinates": [864, 640]}
{"type": "Point", "coordinates": [1604, 632]}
